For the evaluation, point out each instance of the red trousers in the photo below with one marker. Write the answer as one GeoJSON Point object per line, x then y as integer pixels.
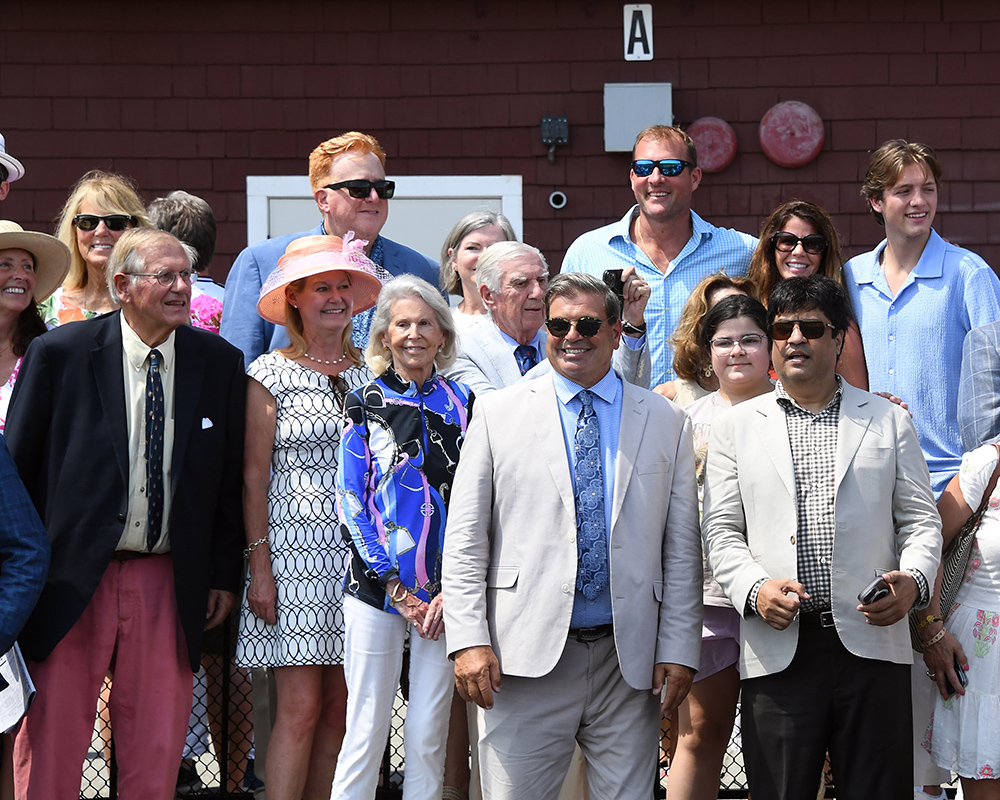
{"type": "Point", "coordinates": [131, 629]}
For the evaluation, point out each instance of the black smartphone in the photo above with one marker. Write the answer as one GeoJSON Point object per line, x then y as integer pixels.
{"type": "Point", "coordinates": [613, 280]}
{"type": "Point", "coordinates": [875, 590]}
{"type": "Point", "coordinates": [962, 679]}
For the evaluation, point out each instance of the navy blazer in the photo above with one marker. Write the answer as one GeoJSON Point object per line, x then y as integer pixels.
{"type": "Point", "coordinates": [24, 552]}
{"type": "Point", "coordinates": [67, 433]}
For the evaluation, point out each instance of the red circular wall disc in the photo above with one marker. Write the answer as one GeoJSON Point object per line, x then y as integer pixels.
{"type": "Point", "coordinates": [791, 134]}
{"type": "Point", "coordinates": [716, 143]}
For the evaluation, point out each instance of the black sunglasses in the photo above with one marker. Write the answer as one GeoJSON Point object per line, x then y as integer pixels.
{"type": "Point", "coordinates": [360, 189]}
{"type": "Point", "coordinates": [810, 328]}
{"type": "Point", "coordinates": [814, 243]}
{"type": "Point", "coordinates": [113, 222]}
{"type": "Point", "coordinates": [585, 326]}
{"type": "Point", "coordinates": [669, 167]}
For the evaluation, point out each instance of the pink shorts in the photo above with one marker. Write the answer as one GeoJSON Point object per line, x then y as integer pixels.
{"type": "Point", "coordinates": [720, 641]}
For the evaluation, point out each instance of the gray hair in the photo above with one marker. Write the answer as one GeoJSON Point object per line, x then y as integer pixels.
{"type": "Point", "coordinates": [190, 219]}
{"type": "Point", "coordinates": [571, 284]}
{"type": "Point", "coordinates": [377, 355]}
{"type": "Point", "coordinates": [449, 279]}
{"type": "Point", "coordinates": [127, 258]}
{"type": "Point", "coordinates": [489, 269]}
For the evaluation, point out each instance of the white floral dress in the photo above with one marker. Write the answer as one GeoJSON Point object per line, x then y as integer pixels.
{"type": "Point", "coordinates": [964, 731]}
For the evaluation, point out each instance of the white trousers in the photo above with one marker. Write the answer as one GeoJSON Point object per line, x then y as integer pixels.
{"type": "Point", "coordinates": [373, 657]}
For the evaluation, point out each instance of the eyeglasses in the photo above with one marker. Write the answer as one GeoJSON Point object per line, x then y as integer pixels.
{"type": "Point", "coordinates": [359, 189]}
{"type": "Point", "coordinates": [585, 326]}
{"type": "Point", "coordinates": [749, 343]}
{"type": "Point", "coordinates": [814, 243]}
{"type": "Point", "coordinates": [810, 328]}
{"type": "Point", "coordinates": [166, 277]}
{"type": "Point", "coordinates": [669, 167]}
{"type": "Point", "coordinates": [113, 222]}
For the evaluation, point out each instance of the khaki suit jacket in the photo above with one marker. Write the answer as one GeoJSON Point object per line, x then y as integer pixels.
{"type": "Point", "coordinates": [885, 519]}
{"type": "Point", "coordinates": [510, 549]}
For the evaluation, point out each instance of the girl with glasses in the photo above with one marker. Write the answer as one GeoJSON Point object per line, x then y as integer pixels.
{"type": "Point", "coordinates": [734, 341]}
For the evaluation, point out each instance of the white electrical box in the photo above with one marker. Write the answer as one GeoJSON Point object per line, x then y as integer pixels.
{"type": "Point", "coordinates": [630, 107]}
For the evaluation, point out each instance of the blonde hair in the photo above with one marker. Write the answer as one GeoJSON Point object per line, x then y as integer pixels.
{"type": "Point", "coordinates": [689, 356]}
{"type": "Point", "coordinates": [669, 133]}
{"type": "Point", "coordinates": [322, 157]}
{"type": "Point", "coordinates": [377, 355]}
{"type": "Point", "coordinates": [109, 192]}
{"type": "Point", "coordinates": [296, 330]}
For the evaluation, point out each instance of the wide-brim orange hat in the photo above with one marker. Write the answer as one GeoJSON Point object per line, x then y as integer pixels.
{"type": "Point", "coordinates": [314, 255]}
{"type": "Point", "coordinates": [51, 256]}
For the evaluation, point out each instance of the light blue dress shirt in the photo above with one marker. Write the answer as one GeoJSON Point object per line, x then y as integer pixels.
{"type": "Point", "coordinates": [709, 250]}
{"type": "Point", "coordinates": [608, 407]}
{"type": "Point", "coordinates": [913, 340]}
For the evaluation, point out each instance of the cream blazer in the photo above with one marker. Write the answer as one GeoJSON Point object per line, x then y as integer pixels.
{"type": "Point", "coordinates": [510, 548]}
{"type": "Point", "coordinates": [885, 516]}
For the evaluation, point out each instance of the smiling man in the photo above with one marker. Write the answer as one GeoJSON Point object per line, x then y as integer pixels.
{"type": "Point", "coordinates": [810, 491]}
{"type": "Point", "coordinates": [570, 485]}
{"type": "Point", "coordinates": [916, 297]}
{"type": "Point", "coordinates": [667, 243]}
{"type": "Point", "coordinates": [496, 353]}
{"type": "Point", "coordinates": [127, 431]}
{"type": "Point", "coordinates": [347, 174]}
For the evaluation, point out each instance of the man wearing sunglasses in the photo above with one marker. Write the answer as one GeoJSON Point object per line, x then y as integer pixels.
{"type": "Point", "coordinates": [666, 242]}
{"type": "Point", "coordinates": [572, 577]}
{"type": "Point", "coordinates": [348, 180]}
{"type": "Point", "coordinates": [511, 343]}
{"type": "Point", "coordinates": [812, 491]}
{"type": "Point", "coordinates": [10, 170]}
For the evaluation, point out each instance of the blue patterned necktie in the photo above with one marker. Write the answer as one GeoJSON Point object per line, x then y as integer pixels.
{"type": "Point", "coordinates": [526, 356]}
{"type": "Point", "coordinates": [588, 488]}
{"type": "Point", "coordinates": [154, 450]}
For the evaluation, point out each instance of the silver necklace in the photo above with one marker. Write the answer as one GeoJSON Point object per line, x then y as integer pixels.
{"type": "Point", "coordinates": [324, 361]}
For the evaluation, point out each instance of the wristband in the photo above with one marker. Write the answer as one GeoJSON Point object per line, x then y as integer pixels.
{"type": "Point", "coordinates": [930, 619]}
{"type": "Point", "coordinates": [937, 637]}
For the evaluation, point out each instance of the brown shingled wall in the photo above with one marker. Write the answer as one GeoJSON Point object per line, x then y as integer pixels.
{"type": "Point", "coordinates": [199, 95]}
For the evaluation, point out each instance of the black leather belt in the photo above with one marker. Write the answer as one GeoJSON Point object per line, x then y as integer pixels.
{"type": "Point", "coordinates": [816, 619]}
{"type": "Point", "coordinates": [128, 555]}
{"type": "Point", "coordinates": [585, 635]}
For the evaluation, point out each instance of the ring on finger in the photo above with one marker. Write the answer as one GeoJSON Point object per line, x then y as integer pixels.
{"type": "Point", "coordinates": [931, 675]}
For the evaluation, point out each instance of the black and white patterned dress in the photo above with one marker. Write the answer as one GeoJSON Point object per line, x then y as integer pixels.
{"type": "Point", "coordinates": [308, 554]}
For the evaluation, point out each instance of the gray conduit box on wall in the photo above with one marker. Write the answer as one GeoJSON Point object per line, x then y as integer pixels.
{"type": "Point", "coordinates": [630, 107]}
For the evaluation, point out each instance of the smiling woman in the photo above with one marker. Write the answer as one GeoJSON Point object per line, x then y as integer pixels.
{"type": "Point", "coordinates": [31, 266]}
{"type": "Point", "coordinates": [100, 208]}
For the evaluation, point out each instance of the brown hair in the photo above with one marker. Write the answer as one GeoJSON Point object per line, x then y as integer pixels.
{"type": "Point", "coordinates": [689, 356]}
{"type": "Point", "coordinates": [763, 264]}
{"type": "Point", "coordinates": [670, 133]}
{"type": "Point", "coordinates": [887, 164]}
{"type": "Point", "coordinates": [322, 157]}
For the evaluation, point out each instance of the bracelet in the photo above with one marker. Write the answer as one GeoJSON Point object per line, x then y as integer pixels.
{"type": "Point", "coordinates": [633, 330]}
{"type": "Point", "coordinates": [253, 546]}
{"type": "Point", "coordinates": [930, 619]}
{"type": "Point", "coordinates": [937, 637]}
{"type": "Point", "coordinates": [392, 594]}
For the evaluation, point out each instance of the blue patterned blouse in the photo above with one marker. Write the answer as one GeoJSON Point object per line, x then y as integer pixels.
{"type": "Point", "coordinates": [397, 460]}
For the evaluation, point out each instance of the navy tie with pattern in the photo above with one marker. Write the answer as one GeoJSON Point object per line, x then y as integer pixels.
{"type": "Point", "coordinates": [526, 356]}
{"type": "Point", "coordinates": [154, 450]}
{"type": "Point", "coordinates": [588, 488]}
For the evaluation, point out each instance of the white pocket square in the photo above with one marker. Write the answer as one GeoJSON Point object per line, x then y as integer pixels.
{"type": "Point", "coordinates": [205, 423]}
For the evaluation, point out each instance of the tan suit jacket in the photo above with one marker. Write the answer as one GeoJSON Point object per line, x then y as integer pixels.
{"type": "Point", "coordinates": [510, 549]}
{"type": "Point", "coordinates": [885, 513]}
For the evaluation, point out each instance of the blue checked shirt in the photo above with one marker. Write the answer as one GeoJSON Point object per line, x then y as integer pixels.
{"type": "Point", "coordinates": [913, 340]}
{"type": "Point", "coordinates": [709, 250]}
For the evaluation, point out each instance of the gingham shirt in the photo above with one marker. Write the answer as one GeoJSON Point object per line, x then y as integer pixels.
{"type": "Point", "coordinates": [813, 441]}
{"type": "Point", "coordinates": [709, 250]}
